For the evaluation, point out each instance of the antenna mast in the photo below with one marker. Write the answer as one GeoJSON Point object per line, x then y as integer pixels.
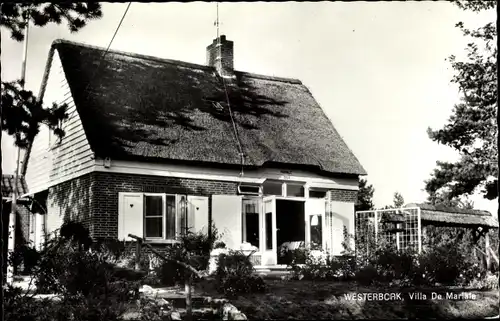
{"type": "Point", "coordinates": [217, 21]}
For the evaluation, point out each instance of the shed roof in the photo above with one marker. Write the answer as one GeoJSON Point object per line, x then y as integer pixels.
{"type": "Point", "coordinates": [452, 215]}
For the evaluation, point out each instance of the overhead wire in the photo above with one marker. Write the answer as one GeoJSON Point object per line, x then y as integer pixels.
{"type": "Point", "coordinates": [235, 129]}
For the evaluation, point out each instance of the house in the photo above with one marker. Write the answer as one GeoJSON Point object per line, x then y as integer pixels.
{"type": "Point", "coordinates": [155, 146]}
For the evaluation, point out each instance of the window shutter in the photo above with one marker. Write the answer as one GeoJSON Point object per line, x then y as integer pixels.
{"type": "Point", "coordinates": [342, 215]}
{"type": "Point", "coordinates": [198, 213]}
{"type": "Point", "coordinates": [226, 216]}
{"type": "Point", "coordinates": [130, 215]}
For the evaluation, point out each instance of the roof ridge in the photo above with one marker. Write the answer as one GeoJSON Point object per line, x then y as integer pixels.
{"type": "Point", "coordinates": [173, 61]}
{"type": "Point", "coordinates": [132, 54]}
{"type": "Point", "coordinates": [267, 77]}
{"type": "Point", "coordinates": [447, 209]}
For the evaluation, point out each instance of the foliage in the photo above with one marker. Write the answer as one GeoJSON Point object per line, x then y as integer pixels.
{"type": "Point", "coordinates": [154, 310]}
{"type": "Point", "coordinates": [295, 256]}
{"type": "Point", "coordinates": [396, 265]}
{"type": "Point", "coordinates": [489, 282]}
{"type": "Point", "coordinates": [220, 245]}
{"type": "Point", "coordinates": [318, 265]}
{"type": "Point", "coordinates": [67, 267]}
{"type": "Point", "coordinates": [471, 129]}
{"type": "Point", "coordinates": [398, 200]}
{"type": "Point", "coordinates": [86, 283]}
{"type": "Point", "coordinates": [365, 196]}
{"type": "Point", "coordinates": [75, 14]}
{"type": "Point", "coordinates": [235, 275]}
{"type": "Point", "coordinates": [26, 255]}
{"type": "Point", "coordinates": [366, 275]}
{"type": "Point", "coordinates": [194, 249]}
{"type": "Point", "coordinates": [446, 259]}
{"type": "Point", "coordinates": [19, 306]}
{"type": "Point", "coordinates": [22, 112]}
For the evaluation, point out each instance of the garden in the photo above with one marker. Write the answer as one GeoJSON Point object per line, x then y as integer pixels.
{"type": "Point", "coordinates": [75, 278]}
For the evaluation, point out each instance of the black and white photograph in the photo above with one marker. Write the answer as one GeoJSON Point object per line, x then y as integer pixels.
{"type": "Point", "coordinates": [249, 160]}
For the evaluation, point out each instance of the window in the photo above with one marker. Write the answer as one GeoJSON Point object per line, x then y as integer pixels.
{"type": "Point", "coordinates": [165, 216]}
{"type": "Point", "coordinates": [294, 190]}
{"type": "Point", "coordinates": [251, 222]}
{"type": "Point", "coordinates": [273, 188]}
{"type": "Point", "coordinates": [317, 193]}
{"type": "Point", "coordinates": [249, 189]}
{"type": "Point", "coordinates": [153, 216]}
{"type": "Point", "coordinates": [316, 230]}
{"type": "Point", "coordinates": [269, 231]}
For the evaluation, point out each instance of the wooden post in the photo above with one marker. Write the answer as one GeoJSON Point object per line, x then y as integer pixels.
{"type": "Point", "coordinates": [188, 289]}
{"type": "Point", "coordinates": [138, 255]}
{"type": "Point", "coordinates": [487, 252]}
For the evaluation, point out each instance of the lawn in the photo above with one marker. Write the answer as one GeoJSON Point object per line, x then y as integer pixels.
{"type": "Point", "coordinates": [327, 300]}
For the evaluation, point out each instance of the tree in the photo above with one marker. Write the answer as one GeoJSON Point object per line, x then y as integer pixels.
{"type": "Point", "coordinates": [75, 14]}
{"type": "Point", "coordinates": [22, 111]}
{"type": "Point", "coordinates": [365, 196]}
{"type": "Point", "coordinates": [471, 129]}
{"type": "Point", "coordinates": [443, 198]}
{"type": "Point", "coordinates": [398, 200]}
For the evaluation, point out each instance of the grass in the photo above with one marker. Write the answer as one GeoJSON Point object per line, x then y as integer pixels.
{"type": "Point", "coordinates": [302, 300]}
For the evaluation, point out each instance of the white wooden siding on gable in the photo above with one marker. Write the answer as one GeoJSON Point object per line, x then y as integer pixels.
{"type": "Point", "coordinates": [52, 162]}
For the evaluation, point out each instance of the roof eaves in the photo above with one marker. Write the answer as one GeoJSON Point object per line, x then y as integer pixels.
{"type": "Point", "coordinates": [41, 94]}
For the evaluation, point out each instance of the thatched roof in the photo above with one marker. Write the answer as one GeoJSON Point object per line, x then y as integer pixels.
{"type": "Point", "coordinates": [457, 216]}
{"type": "Point", "coordinates": [136, 107]}
{"type": "Point", "coordinates": [8, 186]}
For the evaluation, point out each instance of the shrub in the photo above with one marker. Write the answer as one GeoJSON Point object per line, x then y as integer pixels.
{"type": "Point", "coordinates": [24, 255]}
{"type": "Point", "coordinates": [193, 249]}
{"type": "Point", "coordinates": [393, 265]}
{"type": "Point", "coordinates": [296, 256]}
{"type": "Point", "coordinates": [318, 266]}
{"type": "Point", "coordinates": [89, 288]}
{"type": "Point", "coordinates": [220, 245]}
{"type": "Point", "coordinates": [488, 282]}
{"type": "Point", "coordinates": [448, 264]}
{"type": "Point", "coordinates": [366, 275]}
{"type": "Point", "coordinates": [235, 275]}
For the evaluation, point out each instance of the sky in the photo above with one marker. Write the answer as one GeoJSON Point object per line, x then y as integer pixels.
{"type": "Point", "coordinates": [377, 69]}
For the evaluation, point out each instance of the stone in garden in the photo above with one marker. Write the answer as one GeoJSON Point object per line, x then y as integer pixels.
{"type": "Point", "coordinates": [175, 315]}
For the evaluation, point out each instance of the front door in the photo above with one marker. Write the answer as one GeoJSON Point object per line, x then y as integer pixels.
{"type": "Point", "coordinates": [268, 244]}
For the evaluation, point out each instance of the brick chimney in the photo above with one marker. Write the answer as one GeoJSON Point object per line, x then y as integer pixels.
{"type": "Point", "coordinates": [220, 56]}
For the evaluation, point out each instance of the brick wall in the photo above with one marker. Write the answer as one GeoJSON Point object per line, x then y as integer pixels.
{"type": "Point", "coordinates": [106, 186]}
{"type": "Point", "coordinates": [93, 198]}
{"type": "Point", "coordinates": [70, 200]}
{"type": "Point", "coordinates": [343, 195]}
